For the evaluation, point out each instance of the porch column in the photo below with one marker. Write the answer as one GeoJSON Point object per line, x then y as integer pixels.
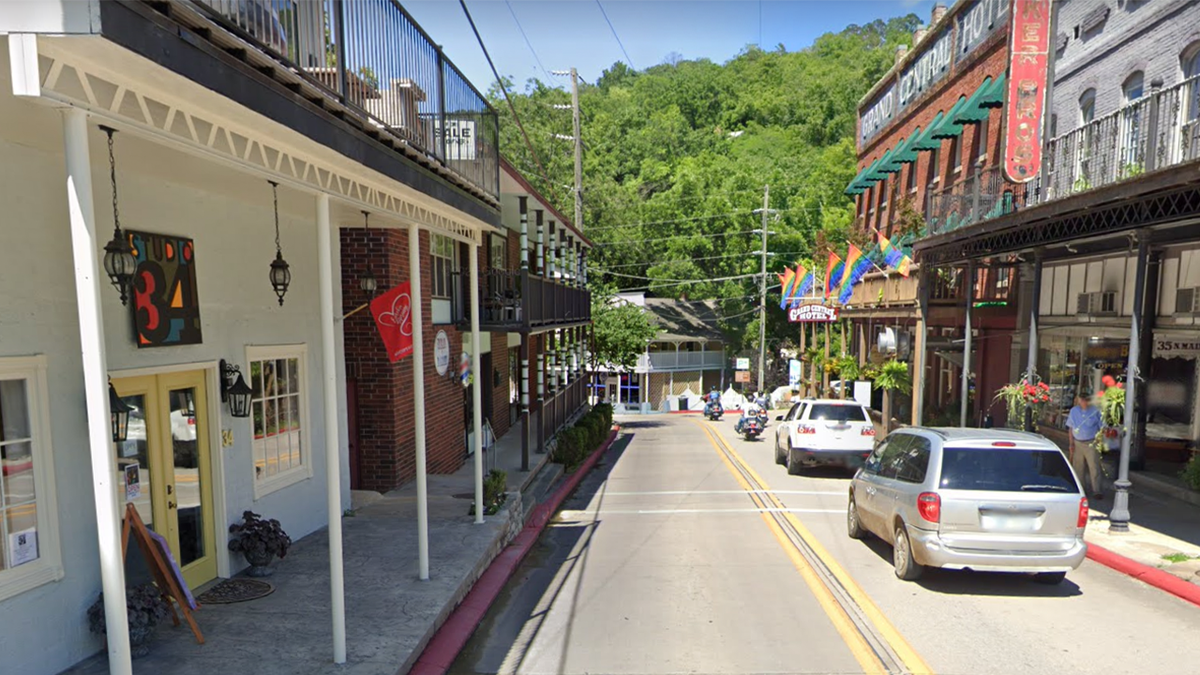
{"type": "Point", "coordinates": [418, 331]}
{"type": "Point", "coordinates": [333, 455]}
{"type": "Point", "coordinates": [1119, 517]}
{"type": "Point", "coordinates": [921, 351]}
{"type": "Point", "coordinates": [523, 207]}
{"type": "Point", "coordinates": [541, 387]}
{"type": "Point", "coordinates": [969, 291]}
{"type": "Point", "coordinates": [476, 383]}
{"type": "Point", "coordinates": [524, 401]}
{"type": "Point", "coordinates": [1035, 309]}
{"type": "Point", "coordinates": [539, 257]}
{"type": "Point", "coordinates": [95, 377]}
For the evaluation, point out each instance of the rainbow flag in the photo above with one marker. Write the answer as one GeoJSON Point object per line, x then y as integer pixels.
{"type": "Point", "coordinates": [788, 281]}
{"type": "Point", "coordinates": [853, 255]}
{"type": "Point", "coordinates": [891, 254]}
{"type": "Point", "coordinates": [833, 273]}
{"type": "Point", "coordinates": [806, 282]}
{"type": "Point", "coordinates": [860, 268]}
{"type": "Point", "coordinates": [902, 267]}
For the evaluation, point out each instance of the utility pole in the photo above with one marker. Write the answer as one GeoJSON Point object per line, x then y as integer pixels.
{"type": "Point", "coordinates": [762, 290]}
{"type": "Point", "coordinates": [578, 150]}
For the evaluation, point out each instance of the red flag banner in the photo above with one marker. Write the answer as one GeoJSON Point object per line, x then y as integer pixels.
{"type": "Point", "coordinates": [1028, 61]}
{"type": "Point", "coordinates": [393, 317]}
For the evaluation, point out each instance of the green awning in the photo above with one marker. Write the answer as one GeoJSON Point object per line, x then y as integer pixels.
{"type": "Point", "coordinates": [994, 96]}
{"type": "Point", "coordinates": [905, 154]}
{"type": "Point", "coordinates": [925, 141]}
{"type": "Point", "coordinates": [948, 128]}
{"type": "Point", "coordinates": [861, 182]}
{"type": "Point", "coordinates": [972, 112]}
{"type": "Point", "coordinates": [876, 172]}
{"type": "Point", "coordinates": [895, 159]}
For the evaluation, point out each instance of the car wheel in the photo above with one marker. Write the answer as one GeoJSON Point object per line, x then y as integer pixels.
{"type": "Point", "coordinates": [1050, 578]}
{"type": "Point", "coordinates": [907, 568]}
{"type": "Point", "coordinates": [854, 528]}
{"type": "Point", "coordinates": [778, 454]}
{"type": "Point", "coordinates": [793, 465]}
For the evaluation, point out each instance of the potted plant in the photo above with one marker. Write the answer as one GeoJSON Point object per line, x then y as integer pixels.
{"type": "Point", "coordinates": [144, 607]}
{"type": "Point", "coordinates": [893, 376]}
{"type": "Point", "coordinates": [1111, 402]}
{"type": "Point", "coordinates": [1017, 395]}
{"type": "Point", "coordinates": [259, 541]}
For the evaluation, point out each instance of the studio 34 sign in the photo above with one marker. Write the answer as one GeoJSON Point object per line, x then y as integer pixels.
{"type": "Point", "coordinates": [812, 314]}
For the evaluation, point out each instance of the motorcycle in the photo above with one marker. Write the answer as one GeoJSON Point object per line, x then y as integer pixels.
{"type": "Point", "coordinates": [762, 417]}
{"type": "Point", "coordinates": [713, 411]}
{"type": "Point", "coordinates": [751, 428]}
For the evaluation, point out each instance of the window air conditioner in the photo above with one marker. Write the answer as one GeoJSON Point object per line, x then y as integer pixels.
{"type": "Point", "coordinates": [1187, 301]}
{"type": "Point", "coordinates": [1102, 303]}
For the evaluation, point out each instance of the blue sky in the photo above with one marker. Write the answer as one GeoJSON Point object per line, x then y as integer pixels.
{"type": "Point", "coordinates": [568, 33]}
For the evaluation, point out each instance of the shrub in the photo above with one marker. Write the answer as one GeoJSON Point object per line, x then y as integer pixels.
{"type": "Point", "coordinates": [1191, 472]}
{"type": "Point", "coordinates": [495, 488]}
{"type": "Point", "coordinates": [572, 448]}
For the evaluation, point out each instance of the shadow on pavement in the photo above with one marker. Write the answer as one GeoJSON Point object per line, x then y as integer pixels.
{"type": "Point", "coordinates": [996, 584]}
{"type": "Point", "coordinates": [640, 423]}
{"type": "Point", "coordinates": [828, 472]}
{"type": "Point", "coordinates": [550, 574]}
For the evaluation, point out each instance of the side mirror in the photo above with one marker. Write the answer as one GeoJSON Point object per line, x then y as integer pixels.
{"type": "Point", "coordinates": [779, 418]}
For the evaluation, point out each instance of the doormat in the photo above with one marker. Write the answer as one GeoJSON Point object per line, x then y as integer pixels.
{"type": "Point", "coordinates": [236, 590]}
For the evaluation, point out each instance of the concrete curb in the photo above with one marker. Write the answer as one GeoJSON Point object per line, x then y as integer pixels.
{"type": "Point", "coordinates": [1164, 581]}
{"type": "Point", "coordinates": [1149, 481]}
{"type": "Point", "coordinates": [454, 633]}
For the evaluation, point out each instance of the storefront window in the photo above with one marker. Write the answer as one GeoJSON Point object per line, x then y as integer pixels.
{"type": "Point", "coordinates": [1076, 365]}
{"type": "Point", "coordinates": [1169, 398]}
{"type": "Point", "coordinates": [278, 408]}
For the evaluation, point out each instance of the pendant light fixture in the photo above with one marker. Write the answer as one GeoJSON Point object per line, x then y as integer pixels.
{"type": "Point", "coordinates": [281, 276]}
{"type": "Point", "coordinates": [368, 282]}
{"type": "Point", "coordinates": [119, 263]}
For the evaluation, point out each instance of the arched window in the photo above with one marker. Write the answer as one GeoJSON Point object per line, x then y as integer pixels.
{"type": "Point", "coordinates": [1131, 140]}
{"type": "Point", "coordinates": [1087, 107]}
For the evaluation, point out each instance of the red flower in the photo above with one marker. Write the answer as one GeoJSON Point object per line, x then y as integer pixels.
{"type": "Point", "coordinates": [1120, 385]}
{"type": "Point", "coordinates": [1044, 386]}
{"type": "Point", "coordinates": [1108, 381]}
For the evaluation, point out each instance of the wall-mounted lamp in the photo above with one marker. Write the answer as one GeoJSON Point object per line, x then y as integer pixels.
{"type": "Point", "coordinates": [120, 414]}
{"type": "Point", "coordinates": [234, 390]}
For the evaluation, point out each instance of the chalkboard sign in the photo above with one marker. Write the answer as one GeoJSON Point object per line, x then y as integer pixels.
{"type": "Point", "coordinates": [166, 573]}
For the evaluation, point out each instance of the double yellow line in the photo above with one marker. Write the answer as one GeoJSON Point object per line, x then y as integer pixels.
{"type": "Point", "coordinates": [765, 498]}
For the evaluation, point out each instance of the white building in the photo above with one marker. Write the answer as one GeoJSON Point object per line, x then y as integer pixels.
{"type": "Point", "coordinates": [210, 105]}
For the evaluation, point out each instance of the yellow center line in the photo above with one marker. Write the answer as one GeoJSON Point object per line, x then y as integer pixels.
{"type": "Point", "coordinates": [903, 649]}
{"type": "Point", "coordinates": [854, 639]}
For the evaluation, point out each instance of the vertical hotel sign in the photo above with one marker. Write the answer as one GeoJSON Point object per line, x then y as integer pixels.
{"type": "Point", "coordinates": [1028, 60]}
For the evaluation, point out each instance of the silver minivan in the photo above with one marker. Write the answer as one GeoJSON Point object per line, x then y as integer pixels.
{"type": "Point", "coordinates": [974, 499]}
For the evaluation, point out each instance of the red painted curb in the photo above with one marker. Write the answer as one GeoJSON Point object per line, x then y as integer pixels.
{"type": "Point", "coordinates": [453, 635]}
{"type": "Point", "coordinates": [1164, 581]}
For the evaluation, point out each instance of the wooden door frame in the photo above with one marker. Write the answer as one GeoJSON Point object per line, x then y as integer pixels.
{"type": "Point", "coordinates": [212, 415]}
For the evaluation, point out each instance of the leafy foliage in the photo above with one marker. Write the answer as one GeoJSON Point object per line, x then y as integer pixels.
{"type": "Point", "coordinates": [1191, 472]}
{"type": "Point", "coordinates": [620, 331]}
{"type": "Point", "coordinates": [576, 443]}
{"type": "Point", "coordinates": [258, 539]}
{"type": "Point", "coordinates": [495, 492]}
{"type": "Point", "coordinates": [893, 376]}
{"type": "Point", "coordinates": [144, 607]}
{"type": "Point", "coordinates": [676, 157]}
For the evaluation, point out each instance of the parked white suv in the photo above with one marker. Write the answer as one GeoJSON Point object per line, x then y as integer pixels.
{"type": "Point", "coordinates": [824, 432]}
{"type": "Point", "coordinates": [974, 499]}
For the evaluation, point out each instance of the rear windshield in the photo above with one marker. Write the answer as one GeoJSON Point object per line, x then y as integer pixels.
{"type": "Point", "coordinates": [1006, 470]}
{"type": "Point", "coordinates": [831, 412]}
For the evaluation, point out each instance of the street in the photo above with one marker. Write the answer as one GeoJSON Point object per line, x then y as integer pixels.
{"type": "Point", "coordinates": [689, 550]}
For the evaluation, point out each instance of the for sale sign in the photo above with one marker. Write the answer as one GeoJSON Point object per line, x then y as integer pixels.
{"type": "Point", "coordinates": [812, 314]}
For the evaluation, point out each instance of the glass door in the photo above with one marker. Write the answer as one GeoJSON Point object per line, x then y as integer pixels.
{"type": "Point", "coordinates": [164, 466]}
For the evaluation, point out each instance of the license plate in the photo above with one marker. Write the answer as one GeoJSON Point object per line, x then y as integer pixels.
{"type": "Point", "coordinates": [1008, 523]}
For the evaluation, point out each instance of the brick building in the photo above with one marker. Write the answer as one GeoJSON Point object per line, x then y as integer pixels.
{"type": "Point", "coordinates": [537, 299]}
{"type": "Point", "coordinates": [930, 152]}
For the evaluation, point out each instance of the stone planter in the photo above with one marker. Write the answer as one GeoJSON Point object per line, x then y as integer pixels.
{"type": "Point", "coordinates": [260, 565]}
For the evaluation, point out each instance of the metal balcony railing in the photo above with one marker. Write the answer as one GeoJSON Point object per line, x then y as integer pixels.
{"type": "Point", "coordinates": [523, 302]}
{"type": "Point", "coordinates": [373, 58]}
{"type": "Point", "coordinates": [1159, 130]}
{"type": "Point", "coordinates": [670, 360]}
{"type": "Point", "coordinates": [982, 195]}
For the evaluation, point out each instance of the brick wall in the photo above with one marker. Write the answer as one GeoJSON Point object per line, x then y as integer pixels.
{"type": "Point", "coordinates": [500, 392]}
{"type": "Point", "coordinates": [989, 59]}
{"type": "Point", "coordinates": [386, 432]}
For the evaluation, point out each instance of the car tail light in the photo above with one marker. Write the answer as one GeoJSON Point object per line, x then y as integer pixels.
{"type": "Point", "coordinates": [1083, 513]}
{"type": "Point", "coordinates": [1004, 444]}
{"type": "Point", "coordinates": [929, 505]}
{"type": "Point", "coordinates": [868, 431]}
{"type": "Point", "coordinates": [803, 429]}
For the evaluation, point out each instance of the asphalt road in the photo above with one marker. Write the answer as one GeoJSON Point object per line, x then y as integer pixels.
{"type": "Point", "coordinates": [689, 551]}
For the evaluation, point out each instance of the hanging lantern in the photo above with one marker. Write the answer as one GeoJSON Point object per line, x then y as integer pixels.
{"type": "Point", "coordinates": [368, 282]}
{"type": "Point", "coordinates": [119, 263]}
{"type": "Point", "coordinates": [235, 391]}
{"type": "Point", "coordinates": [281, 276]}
{"type": "Point", "coordinates": [120, 415]}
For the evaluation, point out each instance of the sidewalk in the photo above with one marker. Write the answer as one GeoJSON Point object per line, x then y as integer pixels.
{"type": "Point", "coordinates": [390, 614]}
{"type": "Point", "coordinates": [1164, 532]}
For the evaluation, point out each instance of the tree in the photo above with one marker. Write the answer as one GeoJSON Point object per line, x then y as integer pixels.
{"type": "Point", "coordinates": [620, 331]}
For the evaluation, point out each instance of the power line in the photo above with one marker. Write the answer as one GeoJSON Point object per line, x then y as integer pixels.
{"type": "Point", "coordinates": [712, 216]}
{"type": "Point", "coordinates": [690, 236]}
{"type": "Point", "coordinates": [696, 281]}
{"type": "Point", "coordinates": [704, 258]}
{"type": "Point", "coordinates": [504, 90]}
{"type": "Point", "coordinates": [614, 32]}
{"type": "Point", "coordinates": [527, 42]}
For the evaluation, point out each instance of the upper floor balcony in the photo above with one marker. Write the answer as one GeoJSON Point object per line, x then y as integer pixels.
{"type": "Point", "coordinates": [994, 286]}
{"type": "Point", "coordinates": [524, 302]}
{"type": "Point", "coordinates": [669, 360]}
{"type": "Point", "coordinates": [1156, 132]}
{"type": "Point", "coordinates": [367, 62]}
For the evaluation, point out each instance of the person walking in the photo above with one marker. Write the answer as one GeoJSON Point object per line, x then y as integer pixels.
{"type": "Point", "coordinates": [1083, 423]}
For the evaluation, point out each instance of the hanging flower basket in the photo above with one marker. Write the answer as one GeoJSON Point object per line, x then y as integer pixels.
{"type": "Point", "coordinates": [1111, 402]}
{"type": "Point", "coordinates": [1017, 395]}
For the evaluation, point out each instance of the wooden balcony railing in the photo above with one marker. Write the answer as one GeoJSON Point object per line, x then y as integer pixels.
{"type": "Point", "coordinates": [523, 302]}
